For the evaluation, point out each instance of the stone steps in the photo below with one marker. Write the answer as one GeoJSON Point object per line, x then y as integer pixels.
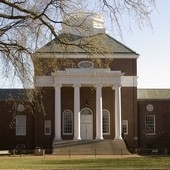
{"type": "Point", "coordinates": [90, 147]}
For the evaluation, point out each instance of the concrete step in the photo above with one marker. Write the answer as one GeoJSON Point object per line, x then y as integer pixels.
{"type": "Point", "coordinates": [90, 147]}
{"type": "Point", "coordinates": [69, 143]}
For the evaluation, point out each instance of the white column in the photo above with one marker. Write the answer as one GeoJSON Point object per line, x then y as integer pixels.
{"type": "Point", "coordinates": [99, 126]}
{"type": "Point", "coordinates": [57, 122]}
{"type": "Point", "coordinates": [118, 119]}
{"type": "Point", "coordinates": [77, 112]}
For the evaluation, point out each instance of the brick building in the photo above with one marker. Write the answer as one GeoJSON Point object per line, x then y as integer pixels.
{"type": "Point", "coordinates": [86, 95]}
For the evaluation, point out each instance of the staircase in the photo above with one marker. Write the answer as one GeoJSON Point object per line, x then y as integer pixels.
{"type": "Point", "coordinates": [90, 147]}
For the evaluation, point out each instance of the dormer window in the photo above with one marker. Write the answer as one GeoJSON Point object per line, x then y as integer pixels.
{"type": "Point", "coordinates": [85, 64]}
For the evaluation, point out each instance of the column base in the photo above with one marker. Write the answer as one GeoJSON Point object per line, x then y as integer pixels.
{"type": "Point", "coordinates": [99, 138]}
{"type": "Point", "coordinates": [77, 138]}
{"type": "Point", "coordinates": [118, 137]}
{"type": "Point", "coordinates": [57, 139]}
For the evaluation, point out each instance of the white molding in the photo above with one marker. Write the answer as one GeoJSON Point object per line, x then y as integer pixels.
{"type": "Point", "coordinates": [86, 77]}
{"type": "Point", "coordinates": [85, 55]}
{"type": "Point", "coordinates": [129, 81]}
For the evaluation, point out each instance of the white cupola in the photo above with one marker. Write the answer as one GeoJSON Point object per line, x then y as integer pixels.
{"type": "Point", "coordinates": [83, 24]}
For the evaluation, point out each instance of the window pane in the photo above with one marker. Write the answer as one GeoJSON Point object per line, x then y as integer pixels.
{"type": "Point", "coordinates": [67, 122]}
{"type": "Point", "coordinates": [106, 122]}
{"type": "Point", "coordinates": [150, 124]}
{"type": "Point", "coordinates": [125, 127]}
{"type": "Point", "coordinates": [20, 125]}
{"type": "Point", "coordinates": [47, 127]}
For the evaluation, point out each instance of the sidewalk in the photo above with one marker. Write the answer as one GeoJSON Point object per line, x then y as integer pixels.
{"type": "Point", "coordinates": [72, 156]}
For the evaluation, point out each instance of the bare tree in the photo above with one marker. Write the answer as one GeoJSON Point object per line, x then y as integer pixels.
{"type": "Point", "coordinates": [26, 25]}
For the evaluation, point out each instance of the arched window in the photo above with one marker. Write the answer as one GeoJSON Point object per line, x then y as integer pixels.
{"type": "Point", "coordinates": [67, 122]}
{"type": "Point", "coordinates": [106, 122]}
{"type": "Point", "coordinates": [86, 111]}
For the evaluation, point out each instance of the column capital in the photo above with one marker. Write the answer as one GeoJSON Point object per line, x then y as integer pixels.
{"type": "Point", "coordinates": [57, 85]}
{"type": "Point", "coordinates": [77, 85]}
{"type": "Point", "coordinates": [98, 85]}
{"type": "Point", "coordinates": [116, 85]}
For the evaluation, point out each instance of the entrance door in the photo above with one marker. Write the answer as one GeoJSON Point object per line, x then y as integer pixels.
{"type": "Point", "coordinates": [86, 124]}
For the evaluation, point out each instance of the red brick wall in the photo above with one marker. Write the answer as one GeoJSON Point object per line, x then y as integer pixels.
{"type": "Point", "coordinates": [42, 140]}
{"type": "Point", "coordinates": [161, 110]}
{"type": "Point", "coordinates": [35, 123]}
{"type": "Point", "coordinates": [127, 66]}
{"type": "Point", "coordinates": [9, 140]}
{"type": "Point", "coordinates": [129, 112]}
{"type": "Point", "coordinates": [88, 99]}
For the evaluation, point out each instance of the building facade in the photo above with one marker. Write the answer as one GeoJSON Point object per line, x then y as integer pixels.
{"type": "Point", "coordinates": [87, 95]}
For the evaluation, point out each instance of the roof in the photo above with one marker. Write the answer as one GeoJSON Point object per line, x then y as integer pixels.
{"type": "Point", "coordinates": [17, 94]}
{"type": "Point", "coordinates": [153, 94]}
{"type": "Point", "coordinates": [77, 44]}
{"type": "Point", "coordinates": [141, 94]}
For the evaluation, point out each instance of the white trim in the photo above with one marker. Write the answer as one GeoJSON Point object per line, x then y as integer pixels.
{"type": "Point", "coordinates": [153, 125]}
{"type": "Point", "coordinates": [85, 64]}
{"type": "Point", "coordinates": [88, 120]}
{"type": "Point", "coordinates": [20, 125]}
{"type": "Point", "coordinates": [85, 55]}
{"type": "Point", "coordinates": [47, 125]}
{"type": "Point", "coordinates": [125, 123]}
{"type": "Point", "coordinates": [129, 81]}
{"type": "Point", "coordinates": [68, 110]}
{"type": "Point", "coordinates": [86, 77]}
{"type": "Point", "coordinates": [86, 108]}
{"type": "Point", "coordinates": [85, 80]}
{"type": "Point", "coordinates": [106, 111]}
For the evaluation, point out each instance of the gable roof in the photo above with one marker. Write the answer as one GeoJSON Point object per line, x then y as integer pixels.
{"type": "Point", "coordinates": [68, 43]}
{"type": "Point", "coordinates": [6, 94]}
{"type": "Point", "coordinates": [16, 94]}
{"type": "Point", "coordinates": [153, 94]}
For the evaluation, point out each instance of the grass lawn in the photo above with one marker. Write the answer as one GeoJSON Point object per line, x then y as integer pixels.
{"type": "Point", "coordinates": [56, 162]}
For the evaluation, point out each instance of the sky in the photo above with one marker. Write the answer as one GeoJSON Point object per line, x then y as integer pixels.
{"type": "Point", "coordinates": [153, 45]}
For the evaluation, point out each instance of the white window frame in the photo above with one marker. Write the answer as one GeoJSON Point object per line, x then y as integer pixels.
{"type": "Point", "coordinates": [152, 125]}
{"type": "Point", "coordinates": [20, 125]}
{"type": "Point", "coordinates": [70, 112]}
{"type": "Point", "coordinates": [86, 111]}
{"type": "Point", "coordinates": [47, 127]}
{"type": "Point", "coordinates": [108, 123]}
{"type": "Point", "coordinates": [125, 126]}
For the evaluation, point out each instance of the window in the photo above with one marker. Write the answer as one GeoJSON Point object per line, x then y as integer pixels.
{"type": "Point", "coordinates": [86, 111]}
{"type": "Point", "coordinates": [85, 64]}
{"type": "Point", "coordinates": [20, 125]}
{"type": "Point", "coordinates": [125, 127]}
{"type": "Point", "coordinates": [150, 124]}
{"type": "Point", "coordinates": [67, 122]}
{"type": "Point", "coordinates": [106, 122]}
{"type": "Point", "coordinates": [47, 127]}
{"type": "Point", "coordinates": [20, 146]}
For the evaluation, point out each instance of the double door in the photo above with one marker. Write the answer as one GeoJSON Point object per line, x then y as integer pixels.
{"type": "Point", "coordinates": [86, 127]}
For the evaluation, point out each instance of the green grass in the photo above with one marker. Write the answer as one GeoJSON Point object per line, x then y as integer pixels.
{"type": "Point", "coordinates": [53, 162]}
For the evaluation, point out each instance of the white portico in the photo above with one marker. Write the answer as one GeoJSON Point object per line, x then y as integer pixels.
{"type": "Point", "coordinates": [83, 74]}
{"type": "Point", "coordinates": [85, 77]}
